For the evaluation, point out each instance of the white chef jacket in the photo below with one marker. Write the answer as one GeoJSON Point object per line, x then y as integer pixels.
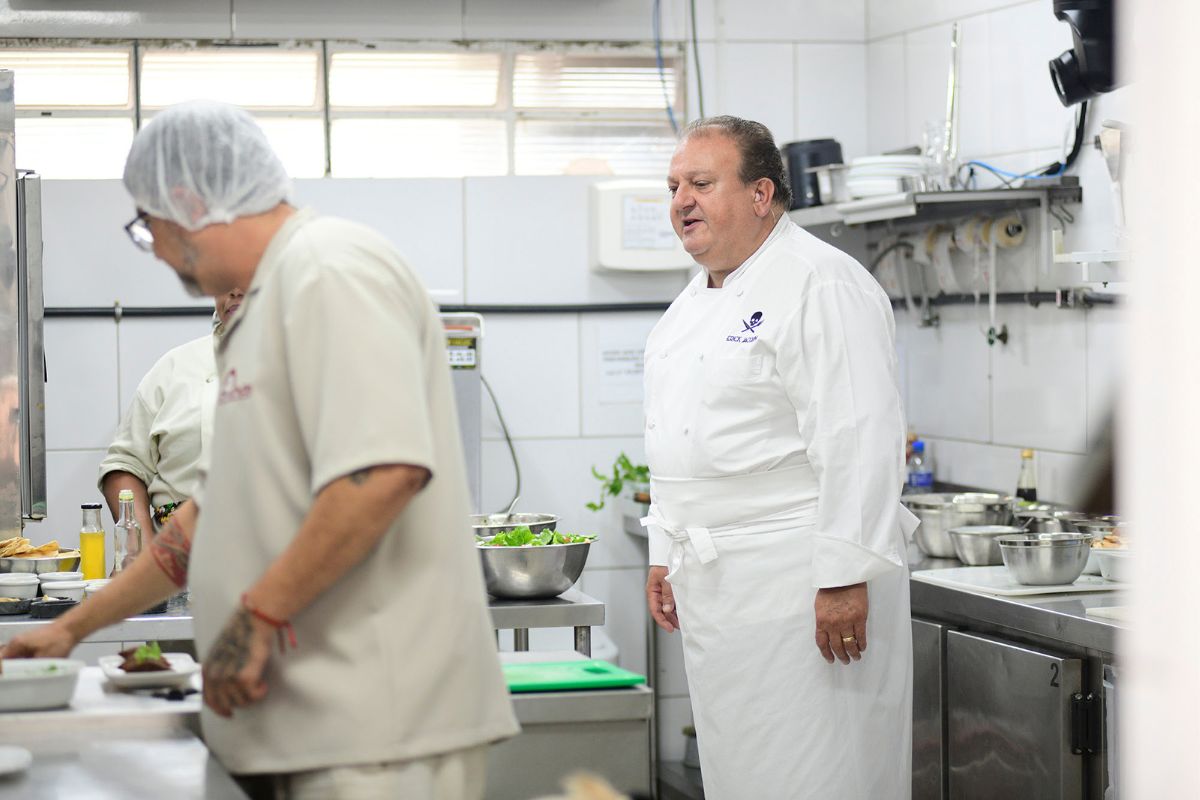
{"type": "Point", "coordinates": [335, 362]}
{"type": "Point", "coordinates": [167, 429]}
{"type": "Point", "coordinates": [791, 365]}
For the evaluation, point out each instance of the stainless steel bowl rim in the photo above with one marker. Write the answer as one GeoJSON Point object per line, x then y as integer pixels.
{"type": "Point", "coordinates": [981, 501]}
{"type": "Point", "coordinates": [516, 518]}
{"type": "Point", "coordinates": [1045, 540]}
{"type": "Point", "coordinates": [986, 530]}
{"type": "Point", "coordinates": [486, 546]}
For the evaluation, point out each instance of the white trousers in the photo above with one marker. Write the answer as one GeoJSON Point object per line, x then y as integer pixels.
{"type": "Point", "coordinates": [773, 720]}
{"type": "Point", "coordinates": [450, 776]}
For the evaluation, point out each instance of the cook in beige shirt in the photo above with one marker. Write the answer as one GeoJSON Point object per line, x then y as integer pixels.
{"type": "Point", "coordinates": [167, 428]}
{"type": "Point", "coordinates": [338, 599]}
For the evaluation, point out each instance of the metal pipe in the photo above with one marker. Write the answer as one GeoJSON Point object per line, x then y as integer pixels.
{"type": "Point", "coordinates": [521, 640]}
{"type": "Point", "coordinates": [583, 640]}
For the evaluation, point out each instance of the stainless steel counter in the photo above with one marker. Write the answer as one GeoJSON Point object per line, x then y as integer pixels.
{"type": "Point", "coordinates": [1058, 618]}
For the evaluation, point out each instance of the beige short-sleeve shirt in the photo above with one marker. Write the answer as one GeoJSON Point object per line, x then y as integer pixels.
{"type": "Point", "coordinates": [335, 362]}
{"type": "Point", "coordinates": [167, 429]}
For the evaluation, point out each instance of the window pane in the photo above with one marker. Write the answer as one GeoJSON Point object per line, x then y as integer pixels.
{"type": "Point", "coordinates": [299, 143]}
{"type": "Point", "coordinates": [547, 80]}
{"type": "Point", "coordinates": [592, 148]}
{"type": "Point", "coordinates": [256, 79]}
{"type": "Point", "coordinates": [62, 147]}
{"type": "Point", "coordinates": [88, 78]}
{"type": "Point", "coordinates": [399, 80]}
{"type": "Point", "coordinates": [418, 148]}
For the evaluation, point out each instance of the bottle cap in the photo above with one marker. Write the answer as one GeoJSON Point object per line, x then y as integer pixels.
{"type": "Point", "coordinates": [89, 506]}
{"type": "Point", "coordinates": [1026, 454]}
{"type": "Point", "coordinates": [918, 446]}
{"type": "Point", "coordinates": [126, 495]}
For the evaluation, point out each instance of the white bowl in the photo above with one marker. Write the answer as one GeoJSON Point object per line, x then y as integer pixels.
{"type": "Point", "coordinates": [95, 585]}
{"type": "Point", "coordinates": [67, 590]}
{"type": "Point", "coordinates": [1114, 563]}
{"type": "Point", "coordinates": [29, 684]}
{"type": "Point", "coordinates": [179, 675]}
{"type": "Point", "coordinates": [47, 577]}
{"type": "Point", "coordinates": [21, 585]}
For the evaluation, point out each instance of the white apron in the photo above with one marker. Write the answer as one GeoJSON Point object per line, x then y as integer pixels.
{"type": "Point", "coordinates": [758, 501]}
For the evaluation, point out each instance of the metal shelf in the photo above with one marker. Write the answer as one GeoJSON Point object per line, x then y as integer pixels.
{"type": "Point", "coordinates": [923, 207]}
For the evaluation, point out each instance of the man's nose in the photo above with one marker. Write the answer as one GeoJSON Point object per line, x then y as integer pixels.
{"type": "Point", "coordinates": [682, 200]}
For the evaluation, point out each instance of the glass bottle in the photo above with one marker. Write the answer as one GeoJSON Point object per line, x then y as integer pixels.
{"type": "Point", "coordinates": [91, 543]}
{"type": "Point", "coordinates": [1027, 478]}
{"type": "Point", "coordinates": [127, 535]}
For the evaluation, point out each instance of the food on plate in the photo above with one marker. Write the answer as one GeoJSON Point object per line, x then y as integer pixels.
{"type": "Point", "coordinates": [20, 547]}
{"type": "Point", "coordinates": [1111, 541]}
{"type": "Point", "coordinates": [146, 658]}
{"type": "Point", "coordinates": [522, 536]}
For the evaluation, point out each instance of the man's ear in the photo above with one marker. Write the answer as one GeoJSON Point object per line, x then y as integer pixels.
{"type": "Point", "coordinates": [764, 196]}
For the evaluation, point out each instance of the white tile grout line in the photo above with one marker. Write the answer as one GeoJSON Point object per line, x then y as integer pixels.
{"type": "Point", "coordinates": [1004, 446]}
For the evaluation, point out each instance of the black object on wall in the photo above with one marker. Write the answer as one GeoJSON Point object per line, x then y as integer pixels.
{"type": "Point", "coordinates": [799, 157]}
{"type": "Point", "coordinates": [1088, 68]}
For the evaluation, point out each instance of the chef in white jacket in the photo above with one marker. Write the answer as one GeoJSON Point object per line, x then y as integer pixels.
{"type": "Point", "coordinates": [775, 440]}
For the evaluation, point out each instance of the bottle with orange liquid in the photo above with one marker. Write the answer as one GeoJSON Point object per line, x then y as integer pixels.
{"type": "Point", "coordinates": [91, 543]}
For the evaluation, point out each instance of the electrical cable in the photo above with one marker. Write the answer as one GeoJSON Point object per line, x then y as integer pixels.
{"type": "Point", "coordinates": [696, 58]}
{"type": "Point", "coordinates": [508, 440]}
{"type": "Point", "coordinates": [662, 70]}
{"type": "Point", "coordinates": [1059, 167]}
{"type": "Point", "coordinates": [1048, 172]}
{"type": "Point", "coordinates": [882, 254]}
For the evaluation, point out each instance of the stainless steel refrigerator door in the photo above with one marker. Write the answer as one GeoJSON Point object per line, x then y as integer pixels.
{"type": "Point", "coordinates": [10, 362]}
{"type": "Point", "coordinates": [32, 346]}
{"type": "Point", "coordinates": [929, 710]}
{"type": "Point", "coordinates": [1009, 720]}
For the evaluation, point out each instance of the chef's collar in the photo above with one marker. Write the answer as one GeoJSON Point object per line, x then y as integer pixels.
{"type": "Point", "coordinates": [780, 226]}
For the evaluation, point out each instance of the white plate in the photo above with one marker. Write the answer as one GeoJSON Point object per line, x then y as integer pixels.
{"type": "Point", "coordinates": [182, 669]}
{"type": "Point", "coordinates": [14, 759]}
{"type": "Point", "coordinates": [30, 684]}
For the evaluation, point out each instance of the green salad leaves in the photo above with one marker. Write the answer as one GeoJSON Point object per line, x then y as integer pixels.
{"type": "Point", "coordinates": [522, 536]}
{"type": "Point", "coordinates": [147, 652]}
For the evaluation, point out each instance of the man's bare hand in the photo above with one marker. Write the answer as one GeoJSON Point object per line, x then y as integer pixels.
{"type": "Point", "coordinates": [48, 641]}
{"type": "Point", "coordinates": [842, 622]}
{"type": "Point", "coordinates": [233, 670]}
{"type": "Point", "coordinates": [661, 599]}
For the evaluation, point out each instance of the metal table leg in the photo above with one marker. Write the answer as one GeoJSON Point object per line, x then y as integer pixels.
{"type": "Point", "coordinates": [521, 640]}
{"type": "Point", "coordinates": [583, 640]}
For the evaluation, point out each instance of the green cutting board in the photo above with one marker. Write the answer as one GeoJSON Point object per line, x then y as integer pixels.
{"type": "Point", "coordinates": [551, 676]}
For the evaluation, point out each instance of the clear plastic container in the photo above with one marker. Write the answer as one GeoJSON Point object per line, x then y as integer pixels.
{"type": "Point", "coordinates": [920, 470]}
{"type": "Point", "coordinates": [127, 535]}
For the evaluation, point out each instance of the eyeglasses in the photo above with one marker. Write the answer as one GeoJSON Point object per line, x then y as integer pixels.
{"type": "Point", "coordinates": [139, 233]}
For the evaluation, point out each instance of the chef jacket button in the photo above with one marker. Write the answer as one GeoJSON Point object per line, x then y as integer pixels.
{"type": "Point", "coordinates": [702, 356]}
{"type": "Point", "coordinates": [663, 354]}
{"type": "Point", "coordinates": [210, 379]}
{"type": "Point", "coordinates": [650, 424]}
{"type": "Point", "coordinates": [740, 292]}
{"type": "Point", "coordinates": [685, 431]}
{"type": "Point", "coordinates": [693, 291]}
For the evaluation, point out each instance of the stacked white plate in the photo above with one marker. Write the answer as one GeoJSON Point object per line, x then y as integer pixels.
{"type": "Point", "coordinates": [871, 176]}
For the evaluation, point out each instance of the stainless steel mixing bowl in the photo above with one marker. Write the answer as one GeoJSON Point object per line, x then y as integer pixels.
{"type": "Point", "coordinates": [1045, 559]}
{"type": "Point", "coordinates": [489, 525]}
{"type": "Point", "coordinates": [939, 513]}
{"type": "Point", "coordinates": [532, 572]}
{"type": "Point", "coordinates": [39, 564]}
{"type": "Point", "coordinates": [976, 545]}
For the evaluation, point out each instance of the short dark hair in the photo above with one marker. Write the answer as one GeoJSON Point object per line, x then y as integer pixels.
{"type": "Point", "coordinates": [756, 146]}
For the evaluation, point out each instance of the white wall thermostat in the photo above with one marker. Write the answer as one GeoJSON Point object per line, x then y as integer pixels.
{"type": "Point", "coordinates": [631, 228]}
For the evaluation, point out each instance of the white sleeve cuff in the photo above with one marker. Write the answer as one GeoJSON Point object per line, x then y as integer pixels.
{"type": "Point", "coordinates": [838, 562]}
{"type": "Point", "coordinates": [660, 545]}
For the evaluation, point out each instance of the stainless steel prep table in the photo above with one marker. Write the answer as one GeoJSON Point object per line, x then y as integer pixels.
{"type": "Point", "coordinates": [573, 609]}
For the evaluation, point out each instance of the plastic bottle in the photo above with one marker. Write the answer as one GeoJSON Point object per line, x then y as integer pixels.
{"type": "Point", "coordinates": [920, 470]}
{"type": "Point", "coordinates": [1027, 478]}
{"type": "Point", "coordinates": [127, 535]}
{"type": "Point", "coordinates": [91, 543]}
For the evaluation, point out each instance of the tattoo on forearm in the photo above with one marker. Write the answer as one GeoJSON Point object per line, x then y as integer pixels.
{"type": "Point", "coordinates": [171, 550]}
{"type": "Point", "coordinates": [360, 477]}
{"type": "Point", "coordinates": [231, 650]}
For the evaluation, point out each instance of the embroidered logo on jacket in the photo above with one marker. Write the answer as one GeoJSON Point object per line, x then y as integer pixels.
{"type": "Point", "coordinates": [751, 328]}
{"type": "Point", "coordinates": [231, 390]}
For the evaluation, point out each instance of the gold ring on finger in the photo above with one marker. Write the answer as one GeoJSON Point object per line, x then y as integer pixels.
{"type": "Point", "coordinates": [849, 639]}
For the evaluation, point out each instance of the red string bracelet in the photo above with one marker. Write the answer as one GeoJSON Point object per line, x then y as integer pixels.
{"type": "Point", "coordinates": [280, 625]}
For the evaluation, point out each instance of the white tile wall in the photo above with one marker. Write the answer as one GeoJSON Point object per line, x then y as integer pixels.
{"type": "Point", "coordinates": [352, 19]}
{"type": "Point", "coordinates": [709, 78]}
{"type": "Point", "coordinates": [531, 362]}
{"type": "Point", "coordinates": [141, 342]}
{"type": "Point", "coordinates": [612, 396]}
{"type": "Point", "coordinates": [792, 20]}
{"type": "Point", "coordinates": [81, 383]}
{"type": "Point", "coordinates": [70, 480]}
{"type": "Point", "coordinates": [672, 677]}
{"type": "Point", "coordinates": [1105, 358]}
{"type": "Point", "coordinates": [829, 95]}
{"type": "Point", "coordinates": [527, 242]}
{"type": "Point", "coordinates": [89, 261]}
{"type": "Point", "coordinates": [1039, 380]}
{"type": "Point", "coordinates": [886, 129]}
{"type": "Point", "coordinates": [985, 466]}
{"type": "Point", "coordinates": [423, 218]}
{"type": "Point", "coordinates": [757, 81]}
{"type": "Point", "coordinates": [597, 20]}
{"type": "Point", "coordinates": [948, 368]}
{"type": "Point", "coordinates": [116, 19]}
{"type": "Point", "coordinates": [673, 714]}
{"type": "Point", "coordinates": [889, 17]}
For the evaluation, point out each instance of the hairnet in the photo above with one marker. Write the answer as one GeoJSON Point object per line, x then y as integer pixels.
{"type": "Point", "coordinates": [202, 162]}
